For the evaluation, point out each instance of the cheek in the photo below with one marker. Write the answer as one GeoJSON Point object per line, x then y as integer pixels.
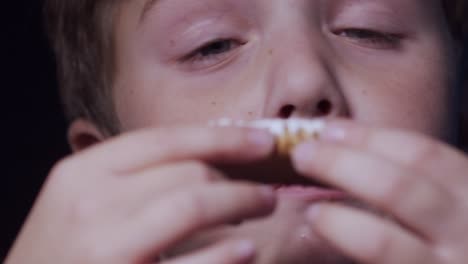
{"type": "Point", "coordinates": [171, 98]}
{"type": "Point", "coordinates": [412, 94]}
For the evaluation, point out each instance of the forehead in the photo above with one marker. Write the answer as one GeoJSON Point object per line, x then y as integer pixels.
{"type": "Point", "coordinates": [166, 8]}
{"type": "Point", "coordinates": [150, 4]}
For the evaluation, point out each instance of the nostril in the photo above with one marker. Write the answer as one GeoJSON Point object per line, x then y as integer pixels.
{"type": "Point", "coordinates": [287, 111]}
{"type": "Point", "coordinates": [324, 107]}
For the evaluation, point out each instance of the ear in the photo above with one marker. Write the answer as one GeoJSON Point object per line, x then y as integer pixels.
{"type": "Point", "coordinates": [83, 134]}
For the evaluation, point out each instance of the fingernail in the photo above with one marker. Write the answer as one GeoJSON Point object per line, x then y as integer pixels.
{"type": "Point", "coordinates": [313, 212]}
{"type": "Point", "coordinates": [268, 193]}
{"type": "Point", "coordinates": [334, 133]}
{"type": "Point", "coordinates": [245, 249]}
{"type": "Point", "coordinates": [261, 139]}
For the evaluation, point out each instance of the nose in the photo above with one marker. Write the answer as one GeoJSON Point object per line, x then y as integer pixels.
{"type": "Point", "coordinates": [304, 84]}
{"type": "Point", "coordinates": [322, 108]}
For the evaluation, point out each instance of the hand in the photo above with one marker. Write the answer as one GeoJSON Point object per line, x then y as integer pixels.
{"type": "Point", "coordinates": [421, 183]}
{"type": "Point", "coordinates": [132, 198]}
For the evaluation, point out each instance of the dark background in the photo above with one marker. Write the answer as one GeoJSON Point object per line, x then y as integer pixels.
{"type": "Point", "coordinates": [33, 128]}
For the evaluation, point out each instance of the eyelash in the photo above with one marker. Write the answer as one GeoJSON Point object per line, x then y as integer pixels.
{"type": "Point", "coordinates": [213, 50]}
{"type": "Point", "coordinates": [371, 38]}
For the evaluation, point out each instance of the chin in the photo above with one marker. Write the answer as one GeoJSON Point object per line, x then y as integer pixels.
{"type": "Point", "coordinates": [282, 238]}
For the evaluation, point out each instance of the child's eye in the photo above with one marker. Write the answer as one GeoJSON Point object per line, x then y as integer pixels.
{"type": "Point", "coordinates": [213, 52]}
{"type": "Point", "coordinates": [371, 38]}
{"type": "Point", "coordinates": [216, 48]}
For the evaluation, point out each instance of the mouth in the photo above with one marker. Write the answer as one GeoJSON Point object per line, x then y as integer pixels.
{"type": "Point", "coordinates": [288, 184]}
{"type": "Point", "coordinates": [277, 171]}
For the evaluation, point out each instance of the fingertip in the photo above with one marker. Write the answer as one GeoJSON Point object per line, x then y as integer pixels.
{"type": "Point", "coordinates": [268, 194]}
{"type": "Point", "coordinates": [245, 250]}
{"type": "Point", "coordinates": [313, 213]}
{"type": "Point", "coordinates": [261, 140]}
{"type": "Point", "coordinates": [303, 155]}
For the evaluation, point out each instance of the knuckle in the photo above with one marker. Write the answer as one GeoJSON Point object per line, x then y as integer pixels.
{"type": "Point", "coordinates": [82, 212]}
{"type": "Point", "coordinates": [97, 252]}
{"type": "Point", "coordinates": [380, 251]}
{"type": "Point", "coordinates": [61, 177]}
{"type": "Point", "coordinates": [423, 153]}
{"type": "Point", "coordinates": [201, 171]}
{"type": "Point", "coordinates": [411, 188]}
{"type": "Point", "coordinates": [447, 255]}
{"type": "Point", "coordinates": [397, 190]}
{"type": "Point", "coordinates": [228, 253]}
{"type": "Point", "coordinates": [192, 206]}
{"type": "Point", "coordinates": [62, 168]}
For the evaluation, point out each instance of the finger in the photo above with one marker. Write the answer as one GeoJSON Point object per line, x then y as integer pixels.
{"type": "Point", "coordinates": [416, 201]}
{"type": "Point", "coordinates": [157, 182]}
{"type": "Point", "coordinates": [139, 150]}
{"type": "Point", "coordinates": [192, 209]}
{"type": "Point", "coordinates": [231, 252]}
{"type": "Point", "coordinates": [366, 238]}
{"type": "Point", "coordinates": [441, 161]}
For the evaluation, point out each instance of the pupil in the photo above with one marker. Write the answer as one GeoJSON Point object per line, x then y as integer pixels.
{"type": "Point", "coordinates": [363, 34]}
{"type": "Point", "coordinates": [216, 48]}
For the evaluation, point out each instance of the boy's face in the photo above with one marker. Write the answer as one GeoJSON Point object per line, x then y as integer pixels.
{"type": "Point", "coordinates": [384, 62]}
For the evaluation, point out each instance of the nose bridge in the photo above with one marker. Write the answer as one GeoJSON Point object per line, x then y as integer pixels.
{"type": "Point", "coordinates": [301, 79]}
{"type": "Point", "coordinates": [299, 69]}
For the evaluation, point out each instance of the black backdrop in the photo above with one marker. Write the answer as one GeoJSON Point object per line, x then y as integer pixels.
{"type": "Point", "coordinates": [33, 128]}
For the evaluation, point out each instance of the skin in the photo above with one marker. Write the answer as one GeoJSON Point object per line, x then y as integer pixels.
{"type": "Point", "coordinates": [386, 91]}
